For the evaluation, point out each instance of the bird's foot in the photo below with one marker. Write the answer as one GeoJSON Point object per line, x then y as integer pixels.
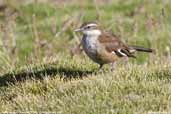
{"type": "Point", "coordinates": [112, 66]}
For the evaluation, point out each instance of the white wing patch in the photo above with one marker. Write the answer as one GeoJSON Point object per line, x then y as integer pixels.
{"type": "Point", "coordinates": [132, 50]}
{"type": "Point", "coordinates": [119, 50]}
{"type": "Point", "coordinates": [113, 53]}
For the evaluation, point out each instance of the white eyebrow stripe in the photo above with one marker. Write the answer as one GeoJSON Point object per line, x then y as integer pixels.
{"type": "Point", "coordinates": [91, 24]}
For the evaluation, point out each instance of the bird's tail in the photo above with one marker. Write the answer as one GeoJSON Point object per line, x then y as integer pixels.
{"type": "Point", "coordinates": [139, 48]}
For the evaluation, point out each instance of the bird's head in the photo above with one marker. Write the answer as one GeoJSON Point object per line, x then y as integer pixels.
{"type": "Point", "coordinates": [90, 29]}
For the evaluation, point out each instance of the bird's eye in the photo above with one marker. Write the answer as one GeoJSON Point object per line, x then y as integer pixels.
{"type": "Point", "coordinates": [88, 27]}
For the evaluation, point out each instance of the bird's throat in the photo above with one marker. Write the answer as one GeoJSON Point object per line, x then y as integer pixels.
{"type": "Point", "coordinates": [92, 33]}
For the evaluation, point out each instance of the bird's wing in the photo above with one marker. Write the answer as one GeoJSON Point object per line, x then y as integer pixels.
{"type": "Point", "coordinates": [114, 45]}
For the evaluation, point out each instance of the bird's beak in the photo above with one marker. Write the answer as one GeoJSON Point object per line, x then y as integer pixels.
{"type": "Point", "coordinates": [78, 30]}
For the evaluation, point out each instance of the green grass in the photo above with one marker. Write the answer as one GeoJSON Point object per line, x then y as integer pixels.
{"type": "Point", "coordinates": [39, 74]}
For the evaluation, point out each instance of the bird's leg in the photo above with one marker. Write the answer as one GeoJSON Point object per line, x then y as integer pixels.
{"type": "Point", "coordinates": [126, 59]}
{"type": "Point", "coordinates": [100, 67]}
{"type": "Point", "coordinates": [113, 66]}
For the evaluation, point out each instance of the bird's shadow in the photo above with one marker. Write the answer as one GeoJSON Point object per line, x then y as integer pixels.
{"type": "Point", "coordinates": [48, 71]}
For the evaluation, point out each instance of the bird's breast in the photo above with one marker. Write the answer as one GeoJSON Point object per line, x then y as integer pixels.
{"type": "Point", "coordinates": [90, 46]}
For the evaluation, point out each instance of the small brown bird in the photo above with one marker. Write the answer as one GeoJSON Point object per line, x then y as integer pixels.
{"type": "Point", "coordinates": [103, 47]}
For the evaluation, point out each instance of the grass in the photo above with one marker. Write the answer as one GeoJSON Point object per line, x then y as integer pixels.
{"type": "Point", "coordinates": [38, 74]}
{"type": "Point", "coordinates": [131, 88]}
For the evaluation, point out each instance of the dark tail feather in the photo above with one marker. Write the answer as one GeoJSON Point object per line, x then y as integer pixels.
{"type": "Point", "coordinates": [139, 48]}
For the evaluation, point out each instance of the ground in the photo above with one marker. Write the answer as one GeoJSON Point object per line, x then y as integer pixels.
{"type": "Point", "coordinates": [38, 73]}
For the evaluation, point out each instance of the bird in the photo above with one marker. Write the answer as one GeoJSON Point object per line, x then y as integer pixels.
{"type": "Point", "coordinates": [105, 47]}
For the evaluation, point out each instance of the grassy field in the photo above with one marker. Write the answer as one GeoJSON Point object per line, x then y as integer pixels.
{"type": "Point", "coordinates": [37, 72]}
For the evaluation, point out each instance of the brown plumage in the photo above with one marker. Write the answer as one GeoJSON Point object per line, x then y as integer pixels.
{"type": "Point", "coordinates": [112, 44]}
{"type": "Point", "coordinates": [103, 47]}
